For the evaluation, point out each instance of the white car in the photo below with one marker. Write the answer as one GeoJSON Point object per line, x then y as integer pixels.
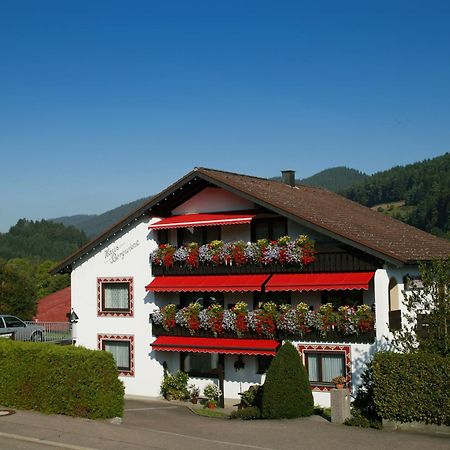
{"type": "Point", "coordinates": [22, 331]}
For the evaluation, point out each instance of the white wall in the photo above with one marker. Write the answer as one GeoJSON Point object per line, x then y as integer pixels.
{"type": "Point", "coordinates": [213, 199]}
{"type": "Point", "coordinates": [124, 255]}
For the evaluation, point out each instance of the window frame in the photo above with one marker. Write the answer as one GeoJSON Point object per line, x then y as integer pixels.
{"type": "Point", "coordinates": [320, 356]}
{"type": "Point", "coordinates": [103, 311]}
{"type": "Point", "coordinates": [107, 338]}
{"type": "Point", "coordinates": [344, 350]}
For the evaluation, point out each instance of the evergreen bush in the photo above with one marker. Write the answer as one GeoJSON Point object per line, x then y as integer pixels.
{"type": "Point", "coordinates": [59, 380]}
{"type": "Point", "coordinates": [287, 392]}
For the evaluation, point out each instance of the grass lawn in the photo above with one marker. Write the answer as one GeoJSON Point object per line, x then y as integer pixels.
{"type": "Point", "coordinates": [216, 413]}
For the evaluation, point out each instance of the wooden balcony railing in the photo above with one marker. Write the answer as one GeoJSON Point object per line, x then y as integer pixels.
{"type": "Point", "coordinates": [324, 262]}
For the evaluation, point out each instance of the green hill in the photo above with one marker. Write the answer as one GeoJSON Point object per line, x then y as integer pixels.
{"type": "Point", "coordinates": [335, 179]}
{"type": "Point", "coordinates": [95, 224]}
{"type": "Point", "coordinates": [40, 239]}
{"type": "Point", "coordinates": [423, 187]}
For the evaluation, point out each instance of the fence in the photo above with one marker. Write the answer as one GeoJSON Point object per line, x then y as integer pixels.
{"type": "Point", "coordinates": [55, 332]}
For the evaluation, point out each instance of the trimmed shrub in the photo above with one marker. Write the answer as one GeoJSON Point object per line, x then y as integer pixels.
{"type": "Point", "coordinates": [248, 413]}
{"type": "Point", "coordinates": [357, 420]}
{"type": "Point", "coordinates": [59, 380]}
{"type": "Point", "coordinates": [252, 397]}
{"type": "Point", "coordinates": [287, 392]}
{"type": "Point", "coordinates": [175, 387]}
{"type": "Point", "coordinates": [412, 387]}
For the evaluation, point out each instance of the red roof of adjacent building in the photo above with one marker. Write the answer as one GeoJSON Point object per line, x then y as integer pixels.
{"type": "Point", "coordinates": [54, 307]}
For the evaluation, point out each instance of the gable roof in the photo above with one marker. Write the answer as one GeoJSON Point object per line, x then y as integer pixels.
{"type": "Point", "coordinates": [54, 307]}
{"type": "Point", "coordinates": [316, 208]}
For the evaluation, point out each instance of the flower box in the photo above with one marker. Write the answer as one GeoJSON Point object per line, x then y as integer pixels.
{"type": "Point", "coordinates": [282, 322]}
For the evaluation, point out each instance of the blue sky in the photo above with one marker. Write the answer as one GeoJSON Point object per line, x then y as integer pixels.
{"type": "Point", "coordinates": [104, 102]}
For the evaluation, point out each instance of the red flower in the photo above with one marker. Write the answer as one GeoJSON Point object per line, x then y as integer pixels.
{"type": "Point", "coordinates": [239, 256]}
{"type": "Point", "coordinates": [192, 259]}
{"type": "Point", "coordinates": [193, 323]}
{"type": "Point", "coordinates": [168, 260]}
{"type": "Point", "coordinates": [241, 323]}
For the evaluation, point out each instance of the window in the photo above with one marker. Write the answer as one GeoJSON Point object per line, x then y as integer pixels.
{"type": "Point", "coordinates": [163, 236]}
{"type": "Point", "coordinates": [268, 228]}
{"type": "Point", "coordinates": [115, 296]}
{"type": "Point", "coordinates": [351, 298]}
{"type": "Point", "coordinates": [122, 349]}
{"type": "Point", "coordinates": [279, 298]}
{"type": "Point", "coordinates": [322, 367]}
{"type": "Point", "coordinates": [263, 363]}
{"type": "Point", "coordinates": [204, 298]}
{"type": "Point", "coordinates": [13, 322]}
{"type": "Point", "coordinates": [201, 235]}
{"type": "Point", "coordinates": [201, 364]}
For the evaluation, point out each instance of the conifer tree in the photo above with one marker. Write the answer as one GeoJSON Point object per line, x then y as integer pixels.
{"type": "Point", "coordinates": [287, 392]}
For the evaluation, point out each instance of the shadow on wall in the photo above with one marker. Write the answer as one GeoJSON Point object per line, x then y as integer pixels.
{"type": "Point", "coordinates": [359, 364]}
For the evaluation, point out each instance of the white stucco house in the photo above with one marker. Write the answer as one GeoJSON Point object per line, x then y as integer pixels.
{"type": "Point", "coordinates": [360, 257]}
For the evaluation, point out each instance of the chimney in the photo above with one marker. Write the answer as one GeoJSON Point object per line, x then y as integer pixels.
{"type": "Point", "coordinates": [288, 177]}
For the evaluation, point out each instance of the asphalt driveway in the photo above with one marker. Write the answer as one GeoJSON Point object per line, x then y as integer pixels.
{"type": "Point", "coordinates": [164, 425]}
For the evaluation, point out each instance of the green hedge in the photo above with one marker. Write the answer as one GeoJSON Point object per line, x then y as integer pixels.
{"type": "Point", "coordinates": [412, 387]}
{"type": "Point", "coordinates": [59, 379]}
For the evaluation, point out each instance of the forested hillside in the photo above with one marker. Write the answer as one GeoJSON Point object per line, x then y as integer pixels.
{"type": "Point", "coordinates": [27, 252]}
{"type": "Point", "coordinates": [40, 239]}
{"type": "Point", "coordinates": [335, 179]}
{"type": "Point", "coordinates": [423, 186]}
{"type": "Point", "coordinates": [95, 224]}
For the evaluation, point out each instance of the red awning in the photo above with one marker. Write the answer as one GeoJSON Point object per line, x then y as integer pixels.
{"type": "Point", "coordinates": [319, 281]}
{"type": "Point", "coordinates": [216, 345]}
{"type": "Point", "coordinates": [208, 283]}
{"type": "Point", "coordinates": [201, 220]}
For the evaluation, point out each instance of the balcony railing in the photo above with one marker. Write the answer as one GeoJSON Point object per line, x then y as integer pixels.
{"type": "Point", "coordinates": [332, 336]}
{"type": "Point", "coordinates": [324, 262]}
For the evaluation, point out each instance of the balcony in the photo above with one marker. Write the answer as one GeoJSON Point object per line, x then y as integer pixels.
{"type": "Point", "coordinates": [323, 262]}
{"type": "Point", "coordinates": [285, 323]}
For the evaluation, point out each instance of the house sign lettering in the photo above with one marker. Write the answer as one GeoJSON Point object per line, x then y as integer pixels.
{"type": "Point", "coordinates": [118, 252]}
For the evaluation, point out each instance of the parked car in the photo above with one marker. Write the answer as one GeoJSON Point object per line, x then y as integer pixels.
{"type": "Point", "coordinates": [22, 331]}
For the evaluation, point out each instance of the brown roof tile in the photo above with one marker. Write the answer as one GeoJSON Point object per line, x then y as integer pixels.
{"type": "Point", "coordinates": [340, 216]}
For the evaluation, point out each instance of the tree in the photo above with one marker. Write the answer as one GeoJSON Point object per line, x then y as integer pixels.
{"type": "Point", "coordinates": [287, 392]}
{"type": "Point", "coordinates": [17, 291]}
{"type": "Point", "coordinates": [429, 305]}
